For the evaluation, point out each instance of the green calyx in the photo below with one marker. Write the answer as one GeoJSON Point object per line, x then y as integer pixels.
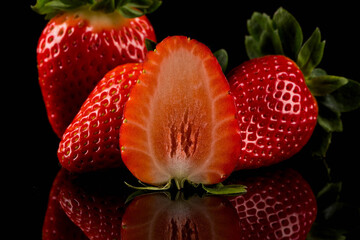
{"type": "Point", "coordinates": [282, 35]}
{"type": "Point", "coordinates": [128, 8]}
{"type": "Point", "coordinates": [185, 185]}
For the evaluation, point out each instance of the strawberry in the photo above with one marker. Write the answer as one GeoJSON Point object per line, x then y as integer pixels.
{"type": "Point", "coordinates": [82, 41]}
{"type": "Point", "coordinates": [179, 122]}
{"type": "Point", "coordinates": [155, 216]}
{"type": "Point", "coordinates": [277, 205]}
{"type": "Point", "coordinates": [276, 111]}
{"type": "Point", "coordinates": [91, 141]}
{"type": "Point", "coordinates": [57, 225]}
{"type": "Point", "coordinates": [281, 95]}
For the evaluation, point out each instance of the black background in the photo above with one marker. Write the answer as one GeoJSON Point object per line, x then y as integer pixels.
{"type": "Point", "coordinates": [29, 154]}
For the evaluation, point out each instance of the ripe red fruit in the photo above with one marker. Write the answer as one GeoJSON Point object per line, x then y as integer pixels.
{"type": "Point", "coordinates": [277, 205]}
{"type": "Point", "coordinates": [75, 50]}
{"type": "Point", "coordinates": [155, 216]}
{"type": "Point", "coordinates": [179, 122]}
{"type": "Point", "coordinates": [91, 142]}
{"type": "Point", "coordinates": [275, 109]}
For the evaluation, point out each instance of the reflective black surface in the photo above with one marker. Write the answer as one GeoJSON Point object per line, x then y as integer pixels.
{"type": "Point", "coordinates": [31, 166]}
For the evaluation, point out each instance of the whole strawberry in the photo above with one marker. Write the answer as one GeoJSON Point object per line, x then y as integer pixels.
{"type": "Point", "coordinates": [276, 111]}
{"type": "Point", "coordinates": [281, 95]}
{"type": "Point", "coordinates": [91, 141]}
{"type": "Point", "coordinates": [82, 41]}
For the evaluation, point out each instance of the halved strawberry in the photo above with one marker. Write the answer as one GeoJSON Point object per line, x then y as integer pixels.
{"type": "Point", "coordinates": [91, 141]}
{"type": "Point", "coordinates": [179, 122]}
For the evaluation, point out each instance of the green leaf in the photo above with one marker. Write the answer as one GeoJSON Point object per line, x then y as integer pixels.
{"type": "Point", "coordinates": [144, 187]}
{"type": "Point", "coordinates": [323, 232]}
{"type": "Point", "coordinates": [344, 99]}
{"type": "Point", "coordinates": [330, 121]}
{"type": "Point", "coordinates": [289, 31]}
{"type": "Point", "coordinates": [129, 8]}
{"type": "Point", "coordinates": [258, 24]}
{"type": "Point", "coordinates": [263, 38]}
{"type": "Point", "coordinates": [252, 47]}
{"type": "Point", "coordinates": [320, 142]}
{"type": "Point", "coordinates": [220, 189]}
{"type": "Point", "coordinates": [50, 8]}
{"type": "Point", "coordinates": [150, 44]}
{"type": "Point", "coordinates": [311, 53]}
{"type": "Point", "coordinates": [325, 84]}
{"type": "Point", "coordinates": [223, 58]}
{"type": "Point", "coordinates": [270, 43]}
{"type": "Point", "coordinates": [137, 8]}
{"type": "Point", "coordinates": [107, 6]}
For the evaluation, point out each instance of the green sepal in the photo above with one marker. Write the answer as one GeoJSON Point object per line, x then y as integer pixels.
{"type": "Point", "coordinates": [107, 6]}
{"type": "Point", "coordinates": [344, 99]}
{"type": "Point", "coordinates": [221, 189]}
{"type": "Point", "coordinates": [128, 8]}
{"type": "Point", "coordinates": [311, 53]}
{"type": "Point", "coordinates": [290, 32]}
{"type": "Point", "coordinates": [150, 45]}
{"type": "Point", "coordinates": [263, 38]}
{"type": "Point", "coordinates": [319, 143]}
{"type": "Point", "coordinates": [223, 58]}
{"type": "Point", "coordinates": [51, 8]}
{"type": "Point", "coordinates": [323, 85]}
{"type": "Point", "coordinates": [145, 187]}
{"type": "Point", "coordinates": [329, 120]}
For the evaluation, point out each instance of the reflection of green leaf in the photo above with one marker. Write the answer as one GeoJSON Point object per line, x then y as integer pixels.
{"type": "Point", "coordinates": [220, 189]}
{"type": "Point", "coordinates": [321, 232]}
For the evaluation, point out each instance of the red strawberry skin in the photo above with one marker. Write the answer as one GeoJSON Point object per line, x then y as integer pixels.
{"type": "Point", "coordinates": [91, 142]}
{"type": "Point", "coordinates": [277, 205]}
{"type": "Point", "coordinates": [74, 52]}
{"type": "Point", "coordinates": [275, 109]}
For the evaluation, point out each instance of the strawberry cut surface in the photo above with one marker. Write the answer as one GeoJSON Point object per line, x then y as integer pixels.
{"type": "Point", "coordinates": [179, 122]}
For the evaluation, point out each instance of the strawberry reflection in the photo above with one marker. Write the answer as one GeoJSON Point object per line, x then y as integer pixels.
{"type": "Point", "coordinates": [278, 205]}
{"type": "Point", "coordinates": [57, 226]}
{"type": "Point", "coordinates": [156, 216]}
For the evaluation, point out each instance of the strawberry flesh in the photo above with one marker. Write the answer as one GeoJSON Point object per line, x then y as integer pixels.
{"type": "Point", "coordinates": [180, 119]}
